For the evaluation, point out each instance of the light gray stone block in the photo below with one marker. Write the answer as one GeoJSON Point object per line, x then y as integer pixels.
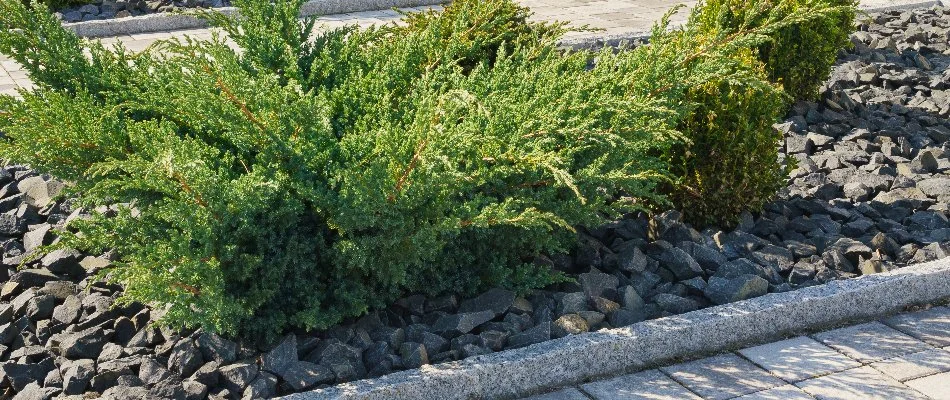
{"type": "Point", "coordinates": [917, 365]}
{"type": "Point", "coordinates": [564, 394]}
{"type": "Point", "coordinates": [798, 359]}
{"type": "Point", "coordinates": [722, 377]}
{"type": "Point", "coordinates": [931, 326]}
{"type": "Point", "coordinates": [936, 387]}
{"type": "Point", "coordinates": [644, 385]}
{"type": "Point", "coordinates": [860, 383]}
{"type": "Point", "coordinates": [871, 342]}
{"type": "Point", "coordinates": [787, 392]}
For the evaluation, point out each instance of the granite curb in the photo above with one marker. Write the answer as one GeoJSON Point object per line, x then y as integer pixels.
{"type": "Point", "coordinates": [170, 22]}
{"type": "Point", "coordinates": [575, 359]}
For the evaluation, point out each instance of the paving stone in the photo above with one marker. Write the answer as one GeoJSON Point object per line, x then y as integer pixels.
{"type": "Point", "coordinates": [863, 383]}
{"type": "Point", "coordinates": [566, 394]}
{"type": "Point", "coordinates": [722, 377]}
{"type": "Point", "coordinates": [651, 385]}
{"type": "Point", "coordinates": [787, 392]}
{"type": "Point", "coordinates": [936, 387]}
{"type": "Point", "coordinates": [931, 326]}
{"type": "Point", "coordinates": [917, 365]}
{"type": "Point", "coordinates": [798, 359]}
{"type": "Point", "coordinates": [871, 342]}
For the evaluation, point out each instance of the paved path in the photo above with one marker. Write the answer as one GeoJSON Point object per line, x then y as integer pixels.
{"type": "Point", "coordinates": [906, 356]}
{"type": "Point", "coordinates": [612, 17]}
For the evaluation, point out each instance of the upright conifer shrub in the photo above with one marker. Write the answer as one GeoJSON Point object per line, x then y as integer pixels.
{"type": "Point", "coordinates": [799, 56]}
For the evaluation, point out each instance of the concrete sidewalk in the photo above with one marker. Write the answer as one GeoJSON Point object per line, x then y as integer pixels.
{"type": "Point", "coordinates": [906, 356]}
{"type": "Point", "coordinates": [614, 18]}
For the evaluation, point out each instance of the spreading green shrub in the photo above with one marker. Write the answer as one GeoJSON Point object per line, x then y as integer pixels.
{"type": "Point", "coordinates": [308, 177]}
{"type": "Point", "coordinates": [800, 55]}
{"type": "Point", "coordinates": [300, 182]}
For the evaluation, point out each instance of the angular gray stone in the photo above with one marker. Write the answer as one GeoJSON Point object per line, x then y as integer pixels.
{"type": "Point", "coordinates": [496, 300]}
{"type": "Point", "coordinates": [303, 375]}
{"type": "Point", "coordinates": [536, 334]}
{"type": "Point", "coordinates": [236, 377]}
{"type": "Point", "coordinates": [262, 387]}
{"type": "Point", "coordinates": [462, 323]}
{"type": "Point", "coordinates": [631, 258]}
{"type": "Point", "coordinates": [598, 284]}
{"type": "Point", "coordinates": [675, 304]}
{"type": "Point", "coordinates": [281, 356]}
{"type": "Point", "coordinates": [63, 261]}
{"type": "Point", "coordinates": [728, 290]}
{"type": "Point", "coordinates": [680, 264]}
{"type": "Point", "coordinates": [569, 324]}
{"type": "Point", "coordinates": [743, 266]}
{"type": "Point", "coordinates": [185, 358]}
{"type": "Point", "coordinates": [194, 390]}
{"type": "Point", "coordinates": [83, 344]}
{"type": "Point", "coordinates": [413, 354]}
{"type": "Point", "coordinates": [573, 303]}
{"type": "Point", "coordinates": [214, 347]}
{"type": "Point", "coordinates": [76, 375]}
{"type": "Point", "coordinates": [151, 372]}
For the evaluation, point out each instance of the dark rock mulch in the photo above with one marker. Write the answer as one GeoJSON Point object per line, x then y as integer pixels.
{"type": "Point", "coordinates": [870, 194]}
{"type": "Point", "coordinates": [107, 9]}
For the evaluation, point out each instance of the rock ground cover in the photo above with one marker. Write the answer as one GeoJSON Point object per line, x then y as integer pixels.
{"type": "Point", "coordinates": [106, 9]}
{"type": "Point", "coordinates": [870, 193]}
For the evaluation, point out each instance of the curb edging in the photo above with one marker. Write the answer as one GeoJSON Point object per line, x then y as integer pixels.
{"type": "Point", "coordinates": [171, 22]}
{"type": "Point", "coordinates": [575, 359]}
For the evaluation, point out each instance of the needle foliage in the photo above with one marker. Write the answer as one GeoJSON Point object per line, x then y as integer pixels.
{"type": "Point", "coordinates": [304, 176]}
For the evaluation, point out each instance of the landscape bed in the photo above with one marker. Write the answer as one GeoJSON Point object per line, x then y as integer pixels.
{"type": "Point", "coordinates": [870, 193]}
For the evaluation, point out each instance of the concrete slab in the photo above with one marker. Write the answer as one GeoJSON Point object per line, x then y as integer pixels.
{"type": "Point", "coordinates": [936, 387]}
{"type": "Point", "coordinates": [871, 342]}
{"type": "Point", "coordinates": [787, 392]}
{"type": "Point", "coordinates": [931, 326]}
{"type": "Point", "coordinates": [798, 359]}
{"type": "Point", "coordinates": [863, 383]}
{"type": "Point", "coordinates": [566, 394]}
{"type": "Point", "coordinates": [650, 384]}
{"type": "Point", "coordinates": [722, 377]}
{"type": "Point", "coordinates": [917, 365]}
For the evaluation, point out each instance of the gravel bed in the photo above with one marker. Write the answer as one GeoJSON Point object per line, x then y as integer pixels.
{"type": "Point", "coordinates": [107, 9]}
{"type": "Point", "coordinates": [870, 194]}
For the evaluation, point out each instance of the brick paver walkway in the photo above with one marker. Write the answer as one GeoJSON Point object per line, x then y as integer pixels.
{"type": "Point", "coordinates": [612, 17]}
{"type": "Point", "coordinates": [906, 356]}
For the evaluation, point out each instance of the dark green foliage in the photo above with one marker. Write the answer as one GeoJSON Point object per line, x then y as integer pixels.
{"type": "Point", "coordinates": [731, 163]}
{"type": "Point", "coordinates": [311, 176]}
{"type": "Point", "coordinates": [799, 56]}
{"type": "Point", "coordinates": [297, 183]}
{"type": "Point", "coordinates": [59, 4]}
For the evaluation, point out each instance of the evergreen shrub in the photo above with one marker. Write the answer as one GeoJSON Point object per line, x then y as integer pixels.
{"type": "Point", "coordinates": [298, 182]}
{"type": "Point", "coordinates": [306, 177]}
{"type": "Point", "coordinates": [800, 55]}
